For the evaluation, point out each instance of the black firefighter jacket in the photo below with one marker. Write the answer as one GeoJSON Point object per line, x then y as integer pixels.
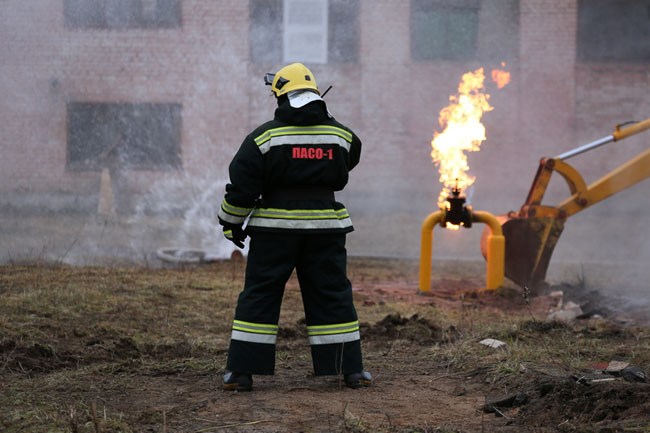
{"type": "Point", "coordinates": [294, 162]}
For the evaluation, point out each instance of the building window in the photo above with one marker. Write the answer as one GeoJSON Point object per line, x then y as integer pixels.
{"type": "Point", "coordinates": [136, 136]}
{"type": "Point", "coordinates": [305, 31]}
{"type": "Point", "coordinates": [121, 14]}
{"type": "Point", "coordinates": [309, 31]}
{"type": "Point", "coordinates": [462, 30]}
{"type": "Point", "coordinates": [614, 30]}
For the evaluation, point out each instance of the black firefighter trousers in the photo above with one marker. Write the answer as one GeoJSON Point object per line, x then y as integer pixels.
{"type": "Point", "coordinates": [332, 323]}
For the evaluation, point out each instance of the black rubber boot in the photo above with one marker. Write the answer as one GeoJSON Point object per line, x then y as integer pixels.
{"type": "Point", "coordinates": [358, 380]}
{"type": "Point", "coordinates": [234, 381]}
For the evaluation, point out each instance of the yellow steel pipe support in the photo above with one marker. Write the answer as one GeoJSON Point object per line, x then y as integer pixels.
{"type": "Point", "coordinates": [496, 250]}
{"type": "Point", "coordinates": [426, 248]}
{"type": "Point", "coordinates": [495, 253]}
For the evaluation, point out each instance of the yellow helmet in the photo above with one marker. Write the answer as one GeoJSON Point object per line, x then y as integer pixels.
{"type": "Point", "coordinates": [293, 77]}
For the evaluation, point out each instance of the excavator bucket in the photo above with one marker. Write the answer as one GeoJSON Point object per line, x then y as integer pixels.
{"type": "Point", "coordinates": [529, 246]}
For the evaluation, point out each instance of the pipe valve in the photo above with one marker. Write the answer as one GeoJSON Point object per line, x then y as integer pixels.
{"type": "Point", "coordinates": [457, 213]}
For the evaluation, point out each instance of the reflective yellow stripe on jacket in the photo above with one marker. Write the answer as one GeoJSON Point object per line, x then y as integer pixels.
{"type": "Point", "coordinates": [290, 135]}
{"type": "Point", "coordinates": [233, 214]}
{"type": "Point", "coordinates": [300, 218]}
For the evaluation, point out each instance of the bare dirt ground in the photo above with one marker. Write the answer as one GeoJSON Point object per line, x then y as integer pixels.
{"type": "Point", "coordinates": [96, 349]}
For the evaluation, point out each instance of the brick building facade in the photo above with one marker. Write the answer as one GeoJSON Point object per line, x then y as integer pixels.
{"type": "Point", "coordinates": [208, 61]}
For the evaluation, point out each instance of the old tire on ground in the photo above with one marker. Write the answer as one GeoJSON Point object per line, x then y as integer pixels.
{"type": "Point", "coordinates": [180, 255]}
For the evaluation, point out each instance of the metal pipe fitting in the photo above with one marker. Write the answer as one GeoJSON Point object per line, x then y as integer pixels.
{"type": "Point", "coordinates": [495, 256]}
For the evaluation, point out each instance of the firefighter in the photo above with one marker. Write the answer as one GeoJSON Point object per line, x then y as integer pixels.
{"type": "Point", "coordinates": [282, 182]}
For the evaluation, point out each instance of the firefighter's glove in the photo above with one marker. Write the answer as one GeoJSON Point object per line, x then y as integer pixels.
{"type": "Point", "coordinates": [235, 234]}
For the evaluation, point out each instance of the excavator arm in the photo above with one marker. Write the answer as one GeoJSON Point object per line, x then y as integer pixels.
{"type": "Point", "coordinates": [628, 174]}
{"type": "Point", "coordinates": [532, 233]}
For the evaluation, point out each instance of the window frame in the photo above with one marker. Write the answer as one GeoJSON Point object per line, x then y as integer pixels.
{"type": "Point", "coordinates": [292, 31]}
{"type": "Point", "coordinates": [136, 20]}
{"type": "Point", "coordinates": [494, 27]}
{"type": "Point", "coordinates": [611, 49]}
{"type": "Point", "coordinates": [96, 138]}
{"type": "Point", "coordinates": [446, 12]}
{"type": "Point", "coordinates": [266, 18]}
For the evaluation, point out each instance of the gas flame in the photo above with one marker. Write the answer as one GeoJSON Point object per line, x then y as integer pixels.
{"type": "Point", "coordinates": [462, 131]}
{"type": "Point", "coordinates": [501, 77]}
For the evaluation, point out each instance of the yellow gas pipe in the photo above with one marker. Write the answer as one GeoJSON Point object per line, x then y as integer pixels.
{"type": "Point", "coordinates": [495, 254]}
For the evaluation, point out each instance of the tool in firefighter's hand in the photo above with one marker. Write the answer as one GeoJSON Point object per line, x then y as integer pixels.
{"type": "Point", "coordinates": [235, 234]}
{"type": "Point", "coordinates": [532, 233]}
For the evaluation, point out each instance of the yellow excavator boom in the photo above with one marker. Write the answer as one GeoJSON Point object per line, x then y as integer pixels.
{"type": "Point", "coordinates": [531, 233]}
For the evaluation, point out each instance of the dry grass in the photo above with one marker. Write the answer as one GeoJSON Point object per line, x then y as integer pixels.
{"type": "Point", "coordinates": [70, 335]}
